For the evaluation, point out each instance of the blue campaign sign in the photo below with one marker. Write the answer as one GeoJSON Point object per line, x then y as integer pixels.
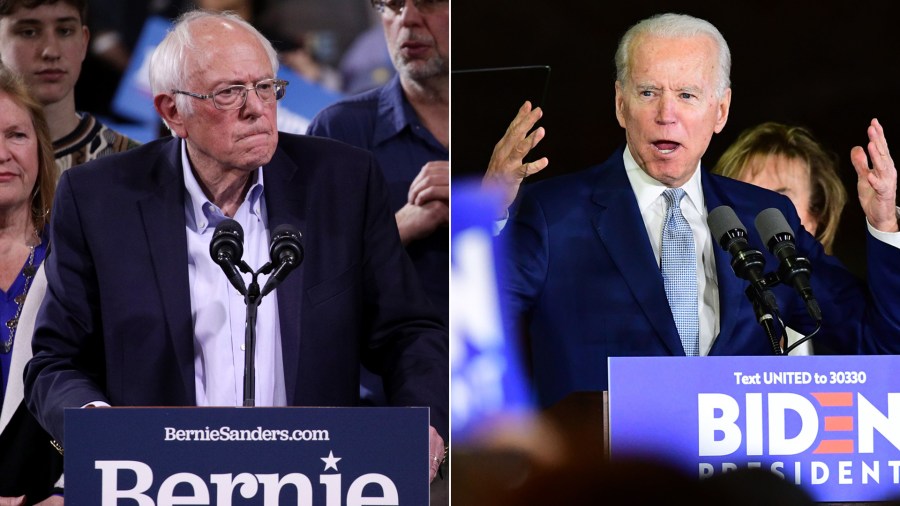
{"type": "Point", "coordinates": [252, 456]}
{"type": "Point", "coordinates": [487, 374]}
{"type": "Point", "coordinates": [302, 101]}
{"type": "Point", "coordinates": [830, 424]}
{"type": "Point", "coordinates": [134, 99]}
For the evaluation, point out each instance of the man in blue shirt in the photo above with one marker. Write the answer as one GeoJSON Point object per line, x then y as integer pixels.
{"type": "Point", "coordinates": [405, 123]}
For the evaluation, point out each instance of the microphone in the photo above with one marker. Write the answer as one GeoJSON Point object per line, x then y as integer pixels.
{"type": "Point", "coordinates": [773, 228]}
{"type": "Point", "coordinates": [286, 253]}
{"type": "Point", "coordinates": [226, 249]}
{"type": "Point", "coordinates": [746, 262]}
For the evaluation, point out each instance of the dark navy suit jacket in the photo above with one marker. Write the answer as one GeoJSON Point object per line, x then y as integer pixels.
{"type": "Point", "coordinates": [383, 121]}
{"type": "Point", "coordinates": [582, 278]}
{"type": "Point", "coordinates": [116, 325]}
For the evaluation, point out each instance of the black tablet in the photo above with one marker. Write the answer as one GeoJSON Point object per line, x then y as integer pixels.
{"type": "Point", "coordinates": [482, 103]}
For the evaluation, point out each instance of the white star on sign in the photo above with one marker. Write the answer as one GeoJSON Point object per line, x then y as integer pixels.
{"type": "Point", "coordinates": [331, 461]}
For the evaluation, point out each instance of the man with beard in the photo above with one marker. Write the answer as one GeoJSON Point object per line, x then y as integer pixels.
{"type": "Point", "coordinates": [405, 123]}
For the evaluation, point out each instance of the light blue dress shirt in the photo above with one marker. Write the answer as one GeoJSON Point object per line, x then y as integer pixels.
{"type": "Point", "coordinates": [219, 311]}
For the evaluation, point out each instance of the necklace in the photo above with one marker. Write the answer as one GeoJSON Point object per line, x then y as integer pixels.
{"type": "Point", "coordinates": [29, 271]}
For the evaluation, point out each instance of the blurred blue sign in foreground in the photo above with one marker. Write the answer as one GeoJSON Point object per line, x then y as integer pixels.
{"type": "Point", "coordinates": [486, 369]}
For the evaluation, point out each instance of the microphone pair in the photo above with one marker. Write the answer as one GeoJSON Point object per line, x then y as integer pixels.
{"type": "Point", "coordinates": [227, 248]}
{"type": "Point", "coordinates": [748, 263]}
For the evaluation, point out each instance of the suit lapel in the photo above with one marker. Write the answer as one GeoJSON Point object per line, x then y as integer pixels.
{"type": "Point", "coordinates": [731, 288]}
{"type": "Point", "coordinates": [618, 223]}
{"type": "Point", "coordinates": [162, 213]}
{"type": "Point", "coordinates": [286, 195]}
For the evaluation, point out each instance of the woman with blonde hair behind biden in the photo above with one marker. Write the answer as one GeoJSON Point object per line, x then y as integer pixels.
{"type": "Point", "coordinates": [789, 160]}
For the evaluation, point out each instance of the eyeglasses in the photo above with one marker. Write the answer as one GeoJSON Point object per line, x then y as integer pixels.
{"type": "Point", "coordinates": [234, 97]}
{"type": "Point", "coordinates": [396, 6]}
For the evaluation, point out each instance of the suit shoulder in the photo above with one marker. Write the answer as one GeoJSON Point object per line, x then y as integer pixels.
{"type": "Point", "coordinates": [124, 162]}
{"type": "Point", "coordinates": [565, 185]}
{"type": "Point", "coordinates": [739, 190]}
{"type": "Point", "coordinates": [734, 184]}
{"type": "Point", "coordinates": [353, 112]}
{"type": "Point", "coordinates": [367, 100]}
{"type": "Point", "coordinates": [748, 200]}
{"type": "Point", "coordinates": [301, 147]}
{"type": "Point", "coordinates": [325, 159]}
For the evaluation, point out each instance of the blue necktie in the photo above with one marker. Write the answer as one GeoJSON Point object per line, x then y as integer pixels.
{"type": "Point", "coordinates": [678, 262]}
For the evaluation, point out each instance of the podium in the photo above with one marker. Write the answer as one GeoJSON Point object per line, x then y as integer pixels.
{"type": "Point", "coordinates": [829, 424]}
{"type": "Point", "coordinates": [262, 456]}
{"type": "Point", "coordinates": [704, 416]}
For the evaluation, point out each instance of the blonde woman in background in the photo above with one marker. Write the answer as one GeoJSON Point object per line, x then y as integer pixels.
{"type": "Point", "coordinates": [789, 160]}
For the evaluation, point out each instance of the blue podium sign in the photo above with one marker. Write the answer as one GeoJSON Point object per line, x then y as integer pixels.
{"type": "Point", "coordinates": [830, 424]}
{"type": "Point", "coordinates": [247, 456]}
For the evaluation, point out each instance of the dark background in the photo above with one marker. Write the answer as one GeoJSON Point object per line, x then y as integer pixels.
{"type": "Point", "coordinates": [829, 66]}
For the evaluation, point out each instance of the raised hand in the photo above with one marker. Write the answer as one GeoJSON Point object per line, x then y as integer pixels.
{"type": "Point", "coordinates": [507, 167]}
{"type": "Point", "coordinates": [877, 186]}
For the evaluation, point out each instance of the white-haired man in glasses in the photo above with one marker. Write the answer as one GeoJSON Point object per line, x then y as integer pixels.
{"type": "Point", "coordinates": [132, 267]}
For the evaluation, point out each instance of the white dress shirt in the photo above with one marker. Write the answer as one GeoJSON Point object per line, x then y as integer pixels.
{"type": "Point", "coordinates": [218, 310]}
{"type": "Point", "coordinates": [652, 204]}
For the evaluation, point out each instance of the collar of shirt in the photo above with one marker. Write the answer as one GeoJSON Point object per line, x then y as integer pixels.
{"type": "Point", "coordinates": [648, 190]}
{"type": "Point", "coordinates": [395, 113]}
{"type": "Point", "coordinates": [220, 321]}
{"type": "Point", "coordinates": [200, 213]}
